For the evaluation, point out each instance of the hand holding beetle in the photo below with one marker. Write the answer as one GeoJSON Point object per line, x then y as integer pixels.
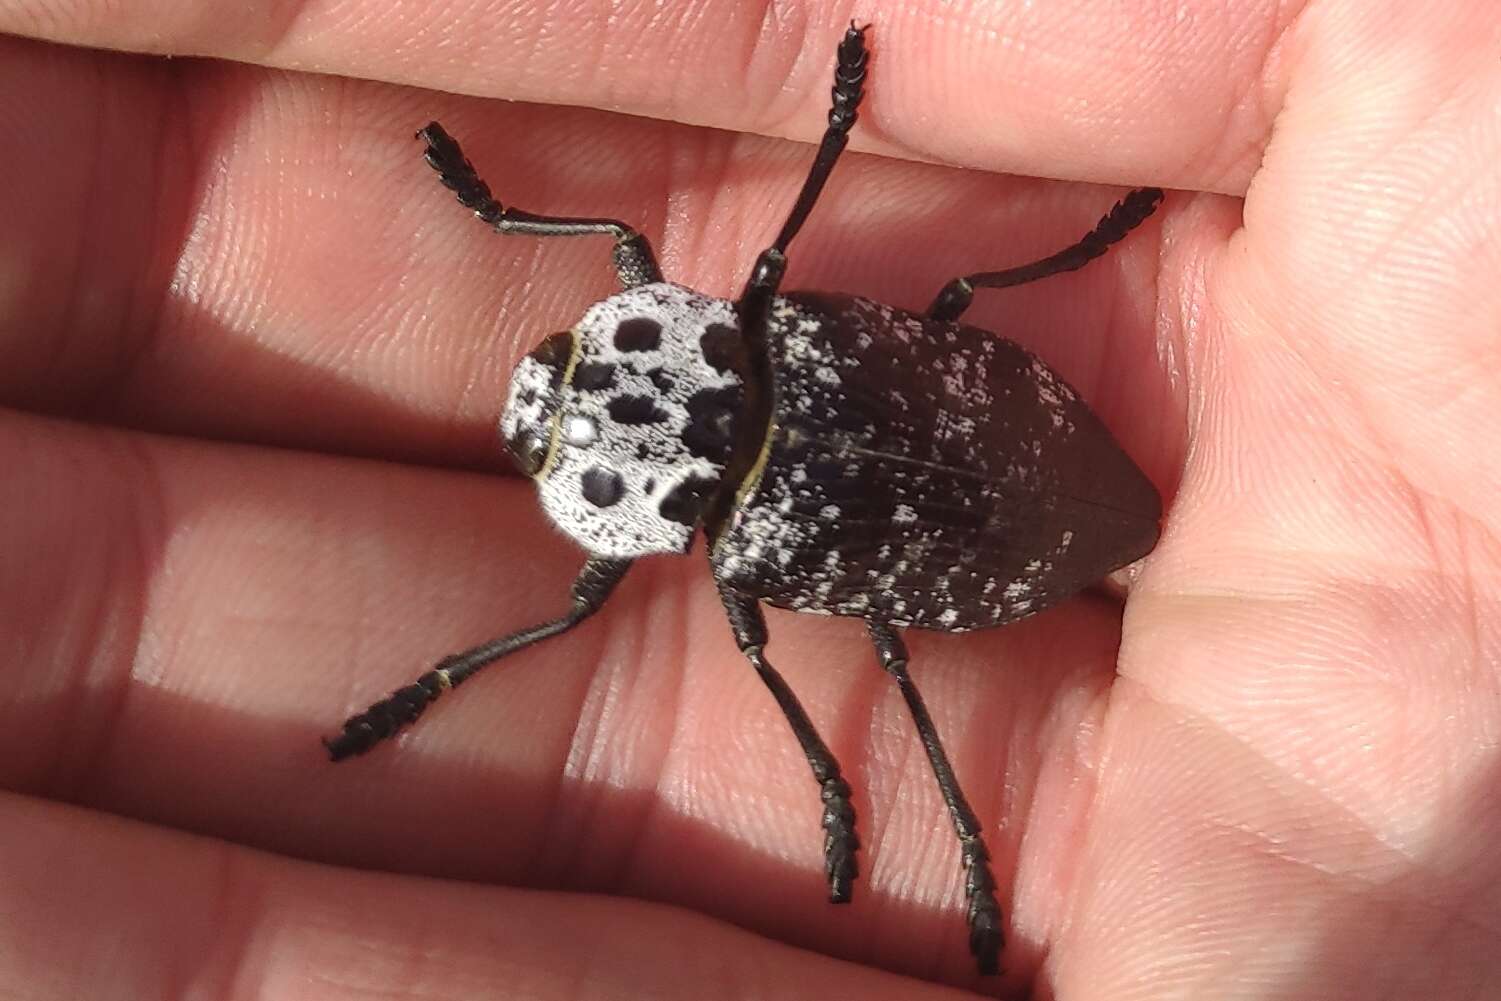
{"type": "Point", "coordinates": [1284, 790]}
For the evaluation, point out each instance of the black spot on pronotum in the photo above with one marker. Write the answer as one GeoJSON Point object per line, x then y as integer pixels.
{"type": "Point", "coordinates": [686, 502]}
{"type": "Point", "coordinates": [661, 380]}
{"type": "Point", "coordinates": [711, 422]}
{"type": "Point", "coordinates": [635, 410]}
{"type": "Point", "coordinates": [723, 348]}
{"type": "Point", "coordinates": [602, 487]}
{"type": "Point", "coordinates": [592, 375]}
{"type": "Point", "coordinates": [640, 333]}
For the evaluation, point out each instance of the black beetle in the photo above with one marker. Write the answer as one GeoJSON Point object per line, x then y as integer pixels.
{"type": "Point", "coordinates": [841, 456]}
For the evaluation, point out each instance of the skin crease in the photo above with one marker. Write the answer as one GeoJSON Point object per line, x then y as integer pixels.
{"type": "Point", "coordinates": [253, 360]}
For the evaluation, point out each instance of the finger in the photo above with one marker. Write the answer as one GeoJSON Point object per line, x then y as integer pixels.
{"type": "Point", "coordinates": [85, 915]}
{"type": "Point", "coordinates": [192, 618]}
{"type": "Point", "coordinates": [1379, 213]}
{"type": "Point", "coordinates": [235, 254]}
{"type": "Point", "coordinates": [1320, 617]}
{"type": "Point", "coordinates": [1342, 484]}
{"type": "Point", "coordinates": [1279, 884]}
{"type": "Point", "coordinates": [1147, 94]}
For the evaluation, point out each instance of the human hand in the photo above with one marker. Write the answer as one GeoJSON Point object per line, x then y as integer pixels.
{"type": "Point", "coordinates": [227, 279]}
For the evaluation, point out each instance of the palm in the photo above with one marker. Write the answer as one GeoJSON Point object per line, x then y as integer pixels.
{"type": "Point", "coordinates": [1281, 793]}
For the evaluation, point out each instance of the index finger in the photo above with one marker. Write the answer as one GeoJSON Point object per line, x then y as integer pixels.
{"type": "Point", "coordinates": [1130, 93]}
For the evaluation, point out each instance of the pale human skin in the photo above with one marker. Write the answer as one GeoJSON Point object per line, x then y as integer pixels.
{"type": "Point", "coordinates": [1280, 783]}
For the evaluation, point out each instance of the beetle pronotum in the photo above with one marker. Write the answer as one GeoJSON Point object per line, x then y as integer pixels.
{"type": "Point", "coordinates": [841, 456]}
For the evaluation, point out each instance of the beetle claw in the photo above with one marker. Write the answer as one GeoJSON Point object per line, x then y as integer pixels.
{"type": "Point", "coordinates": [985, 939]}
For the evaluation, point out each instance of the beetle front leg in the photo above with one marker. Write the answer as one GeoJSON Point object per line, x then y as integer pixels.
{"type": "Point", "coordinates": [591, 588]}
{"type": "Point", "coordinates": [840, 841]}
{"type": "Point", "coordinates": [849, 89]}
{"type": "Point", "coordinates": [984, 913]}
{"type": "Point", "coordinates": [1128, 213]}
{"type": "Point", "coordinates": [634, 262]}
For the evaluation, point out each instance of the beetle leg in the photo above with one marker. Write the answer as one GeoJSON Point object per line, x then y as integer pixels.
{"type": "Point", "coordinates": [363, 731]}
{"type": "Point", "coordinates": [984, 913]}
{"type": "Point", "coordinates": [634, 262]}
{"type": "Point", "coordinates": [849, 88]}
{"type": "Point", "coordinates": [1128, 213]}
{"type": "Point", "coordinates": [840, 841]}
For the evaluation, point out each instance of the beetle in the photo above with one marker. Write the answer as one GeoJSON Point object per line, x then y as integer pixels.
{"type": "Point", "coordinates": [840, 456]}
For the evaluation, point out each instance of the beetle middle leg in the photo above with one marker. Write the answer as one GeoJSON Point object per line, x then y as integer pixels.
{"type": "Point", "coordinates": [984, 913]}
{"type": "Point", "coordinates": [635, 264]}
{"type": "Point", "coordinates": [840, 841]}
{"type": "Point", "coordinates": [1127, 214]}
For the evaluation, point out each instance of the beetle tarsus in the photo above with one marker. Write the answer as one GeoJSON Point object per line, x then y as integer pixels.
{"type": "Point", "coordinates": [982, 910]}
{"type": "Point", "coordinates": [840, 842]}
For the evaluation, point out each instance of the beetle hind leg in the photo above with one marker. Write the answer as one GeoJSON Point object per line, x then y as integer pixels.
{"type": "Point", "coordinates": [1127, 214]}
{"type": "Point", "coordinates": [983, 912]}
{"type": "Point", "coordinates": [840, 842]}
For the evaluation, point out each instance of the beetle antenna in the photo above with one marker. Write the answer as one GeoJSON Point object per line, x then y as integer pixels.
{"type": "Point", "coordinates": [635, 264]}
{"type": "Point", "coordinates": [1127, 214]}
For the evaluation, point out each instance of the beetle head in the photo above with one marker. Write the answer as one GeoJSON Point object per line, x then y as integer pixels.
{"type": "Point", "coordinates": [527, 422]}
{"type": "Point", "coordinates": [627, 421]}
